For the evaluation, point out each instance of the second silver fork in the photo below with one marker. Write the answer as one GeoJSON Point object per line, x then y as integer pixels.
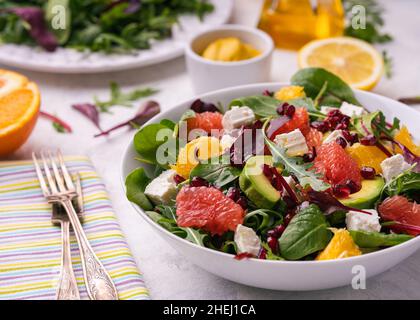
{"type": "Point", "coordinates": [67, 288]}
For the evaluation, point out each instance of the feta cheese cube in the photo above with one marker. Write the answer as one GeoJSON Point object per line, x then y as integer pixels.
{"type": "Point", "coordinates": [226, 141]}
{"type": "Point", "coordinates": [360, 221]}
{"type": "Point", "coordinates": [294, 142]}
{"type": "Point", "coordinates": [162, 189]}
{"type": "Point", "coordinates": [325, 109]}
{"type": "Point", "coordinates": [351, 110]}
{"type": "Point", "coordinates": [393, 166]}
{"type": "Point", "coordinates": [237, 117]}
{"type": "Point", "coordinates": [334, 135]}
{"type": "Point", "coordinates": [247, 240]}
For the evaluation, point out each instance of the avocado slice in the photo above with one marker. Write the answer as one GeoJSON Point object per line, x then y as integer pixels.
{"type": "Point", "coordinates": [366, 197]}
{"type": "Point", "coordinates": [255, 184]}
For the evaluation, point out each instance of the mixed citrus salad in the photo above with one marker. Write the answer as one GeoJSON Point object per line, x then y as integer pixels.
{"type": "Point", "coordinates": [304, 173]}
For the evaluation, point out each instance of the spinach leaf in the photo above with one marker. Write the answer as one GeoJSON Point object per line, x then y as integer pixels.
{"type": "Point", "coordinates": [295, 165]}
{"type": "Point", "coordinates": [266, 106]}
{"type": "Point", "coordinates": [366, 239]}
{"type": "Point", "coordinates": [306, 233]}
{"type": "Point", "coordinates": [314, 79]}
{"type": "Point", "coordinates": [135, 184]}
{"type": "Point", "coordinates": [149, 138]}
{"type": "Point", "coordinates": [407, 183]}
{"type": "Point", "coordinates": [219, 173]}
{"type": "Point", "coordinates": [263, 106]}
{"type": "Point", "coordinates": [262, 219]}
{"type": "Point", "coordinates": [167, 219]}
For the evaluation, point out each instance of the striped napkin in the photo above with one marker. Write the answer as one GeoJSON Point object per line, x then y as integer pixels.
{"type": "Point", "coordinates": [30, 246]}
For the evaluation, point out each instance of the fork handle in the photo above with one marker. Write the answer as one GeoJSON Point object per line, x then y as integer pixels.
{"type": "Point", "coordinates": [67, 284]}
{"type": "Point", "coordinates": [99, 284]}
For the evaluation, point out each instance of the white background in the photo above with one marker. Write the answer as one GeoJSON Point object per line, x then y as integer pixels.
{"type": "Point", "coordinates": [167, 273]}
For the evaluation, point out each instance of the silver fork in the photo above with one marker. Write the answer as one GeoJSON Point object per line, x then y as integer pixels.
{"type": "Point", "coordinates": [60, 189]}
{"type": "Point", "coordinates": [67, 285]}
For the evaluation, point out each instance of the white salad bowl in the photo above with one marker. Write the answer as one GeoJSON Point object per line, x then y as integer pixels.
{"type": "Point", "coordinates": [284, 275]}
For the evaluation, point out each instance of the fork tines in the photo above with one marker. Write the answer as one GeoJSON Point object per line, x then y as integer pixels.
{"type": "Point", "coordinates": [58, 178]}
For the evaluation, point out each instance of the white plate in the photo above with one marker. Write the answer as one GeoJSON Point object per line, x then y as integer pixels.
{"type": "Point", "coordinates": [284, 275]}
{"type": "Point", "coordinates": [71, 61]}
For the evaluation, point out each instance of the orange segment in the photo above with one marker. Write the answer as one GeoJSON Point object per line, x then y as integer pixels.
{"type": "Point", "coordinates": [403, 136]}
{"type": "Point", "coordinates": [367, 156]}
{"type": "Point", "coordinates": [353, 60]}
{"type": "Point", "coordinates": [341, 246]}
{"type": "Point", "coordinates": [19, 107]}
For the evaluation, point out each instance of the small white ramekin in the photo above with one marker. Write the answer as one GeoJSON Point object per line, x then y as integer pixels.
{"type": "Point", "coordinates": [207, 75]}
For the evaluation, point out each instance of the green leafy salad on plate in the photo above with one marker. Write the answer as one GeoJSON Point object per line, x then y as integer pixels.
{"type": "Point", "coordinates": [303, 173]}
{"type": "Point", "coordinates": [108, 26]}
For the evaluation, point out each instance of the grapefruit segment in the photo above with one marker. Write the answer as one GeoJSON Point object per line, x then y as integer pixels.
{"type": "Point", "coordinates": [207, 208]}
{"type": "Point", "coordinates": [336, 165]}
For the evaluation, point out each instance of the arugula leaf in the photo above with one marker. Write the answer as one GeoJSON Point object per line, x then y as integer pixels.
{"type": "Point", "coordinates": [269, 253]}
{"type": "Point", "coordinates": [407, 183]}
{"type": "Point", "coordinates": [314, 79]}
{"type": "Point", "coordinates": [118, 98]}
{"type": "Point", "coordinates": [366, 239]}
{"type": "Point", "coordinates": [218, 173]}
{"type": "Point", "coordinates": [363, 124]}
{"type": "Point", "coordinates": [295, 165]}
{"type": "Point", "coordinates": [167, 219]}
{"type": "Point", "coordinates": [306, 233]}
{"type": "Point", "coordinates": [262, 220]}
{"type": "Point", "coordinates": [135, 184]}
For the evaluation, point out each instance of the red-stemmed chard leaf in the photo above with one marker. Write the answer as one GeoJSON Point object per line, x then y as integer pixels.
{"type": "Point", "coordinates": [399, 227]}
{"type": "Point", "coordinates": [328, 203]}
{"type": "Point", "coordinates": [90, 111]}
{"type": "Point", "coordinates": [56, 120]}
{"type": "Point", "coordinates": [38, 29]}
{"type": "Point", "coordinates": [146, 111]}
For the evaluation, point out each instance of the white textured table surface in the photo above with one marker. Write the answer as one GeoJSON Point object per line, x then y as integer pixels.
{"type": "Point", "coordinates": [168, 274]}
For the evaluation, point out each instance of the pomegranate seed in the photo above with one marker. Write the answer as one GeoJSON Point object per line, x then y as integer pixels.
{"type": "Point", "coordinates": [262, 254]}
{"type": "Point", "coordinates": [369, 140]}
{"type": "Point", "coordinates": [178, 179]}
{"type": "Point", "coordinates": [310, 156]}
{"type": "Point", "coordinates": [354, 138]}
{"type": "Point", "coordinates": [280, 229]}
{"type": "Point", "coordinates": [320, 126]}
{"type": "Point", "coordinates": [273, 244]}
{"type": "Point", "coordinates": [352, 186]}
{"type": "Point", "coordinates": [282, 109]}
{"type": "Point", "coordinates": [368, 172]}
{"type": "Point", "coordinates": [288, 217]}
{"type": "Point", "coordinates": [341, 191]}
{"type": "Point", "coordinates": [242, 202]}
{"type": "Point", "coordinates": [346, 135]}
{"type": "Point", "coordinates": [290, 111]}
{"type": "Point", "coordinates": [268, 93]}
{"type": "Point", "coordinates": [273, 233]}
{"type": "Point", "coordinates": [341, 141]}
{"type": "Point", "coordinates": [198, 182]}
{"type": "Point", "coordinates": [233, 193]}
{"type": "Point", "coordinates": [334, 113]}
